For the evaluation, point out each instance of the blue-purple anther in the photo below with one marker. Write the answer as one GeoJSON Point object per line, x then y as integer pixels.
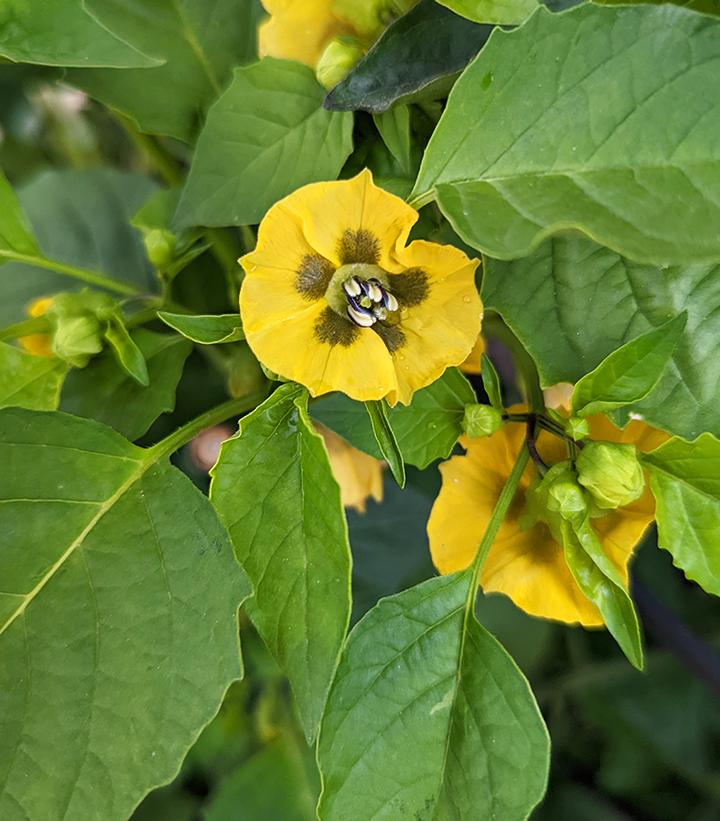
{"type": "Point", "coordinates": [368, 301]}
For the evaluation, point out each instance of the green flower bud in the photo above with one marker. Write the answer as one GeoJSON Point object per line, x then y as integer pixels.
{"type": "Point", "coordinates": [339, 57]}
{"type": "Point", "coordinates": [566, 497]}
{"type": "Point", "coordinates": [77, 338]}
{"type": "Point", "coordinates": [577, 428]}
{"type": "Point", "coordinates": [370, 17]}
{"type": "Point", "coordinates": [611, 472]}
{"type": "Point", "coordinates": [481, 420]}
{"type": "Point", "coordinates": [160, 247]}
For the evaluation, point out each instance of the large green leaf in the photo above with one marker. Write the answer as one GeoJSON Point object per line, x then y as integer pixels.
{"type": "Point", "coordinates": [15, 232]}
{"type": "Point", "coordinates": [104, 391]}
{"type": "Point", "coordinates": [62, 33]}
{"type": "Point", "coordinates": [574, 121]}
{"type": "Point", "coordinates": [685, 479]}
{"type": "Point", "coordinates": [118, 618]}
{"type": "Point", "coordinates": [419, 54]}
{"type": "Point", "coordinates": [266, 136]}
{"type": "Point", "coordinates": [429, 717]}
{"type": "Point", "coordinates": [273, 489]}
{"type": "Point", "coordinates": [28, 381]}
{"type": "Point", "coordinates": [502, 12]}
{"type": "Point", "coordinates": [81, 218]}
{"type": "Point", "coordinates": [573, 302]}
{"type": "Point", "coordinates": [426, 429]}
{"type": "Point", "coordinates": [628, 374]}
{"type": "Point", "coordinates": [199, 42]}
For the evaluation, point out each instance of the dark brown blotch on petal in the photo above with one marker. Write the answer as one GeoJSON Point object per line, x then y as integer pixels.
{"type": "Point", "coordinates": [411, 287]}
{"type": "Point", "coordinates": [359, 246]}
{"type": "Point", "coordinates": [335, 329]}
{"type": "Point", "coordinates": [391, 335]}
{"type": "Point", "coordinates": [313, 276]}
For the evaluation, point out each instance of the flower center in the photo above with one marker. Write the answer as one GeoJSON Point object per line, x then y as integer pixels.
{"type": "Point", "coordinates": [361, 293]}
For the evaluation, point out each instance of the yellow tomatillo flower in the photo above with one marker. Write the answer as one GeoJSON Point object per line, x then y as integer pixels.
{"type": "Point", "coordinates": [527, 564]}
{"type": "Point", "coordinates": [299, 29]}
{"type": "Point", "coordinates": [359, 475]}
{"type": "Point", "coordinates": [334, 298]}
{"type": "Point", "coordinates": [38, 344]}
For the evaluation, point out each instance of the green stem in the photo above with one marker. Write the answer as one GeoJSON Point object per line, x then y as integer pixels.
{"type": "Point", "coordinates": [37, 325]}
{"type": "Point", "coordinates": [156, 156]}
{"type": "Point", "coordinates": [83, 274]}
{"type": "Point", "coordinates": [501, 508]}
{"type": "Point", "coordinates": [221, 413]}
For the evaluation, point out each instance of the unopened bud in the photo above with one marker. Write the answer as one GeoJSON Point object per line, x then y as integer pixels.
{"type": "Point", "coordinates": [76, 339]}
{"type": "Point", "coordinates": [340, 56]}
{"type": "Point", "coordinates": [160, 247]}
{"type": "Point", "coordinates": [611, 472]}
{"type": "Point", "coordinates": [481, 420]}
{"type": "Point", "coordinates": [578, 428]}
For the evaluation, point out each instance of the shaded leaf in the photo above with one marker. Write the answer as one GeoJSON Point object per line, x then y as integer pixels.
{"type": "Point", "coordinates": [491, 382]}
{"type": "Point", "coordinates": [266, 136]}
{"type": "Point", "coordinates": [573, 302]}
{"type": "Point", "coordinates": [205, 329]}
{"type": "Point", "coordinates": [273, 489]}
{"type": "Point", "coordinates": [628, 374]}
{"type": "Point", "coordinates": [386, 439]}
{"type": "Point", "coordinates": [81, 218]}
{"type": "Point", "coordinates": [429, 717]}
{"type": "Point", "coordinates": [563, 123]}
{"type": "Point", "coordinates": [28, 381]}
{"type": "Point", "coordinates": [199, 43]}
{"type": "Point", "coordinates": [394, 128]}
{"type": "Point", "coordinates": [421, 53]}
{"type": "Point", "coordinates": [103, 391]}
{"type": "Point", "coordinates": [685, 480]}
{"type": "Point", "coordinates": [127, 353]}
{"type": "Point", "coordinates": [15, 232]}
{"type": "Point", "coordinates": [63, 33]}
{"type": "Point", "coordinates": [118, 618]}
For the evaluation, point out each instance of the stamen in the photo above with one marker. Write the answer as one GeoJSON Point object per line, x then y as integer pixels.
{"type": "Point", "coordinates": [359, 316]}
{"type": "Point", "coordinates": [368, 302]}
{"type": "Point", "coordinates": [374, 290]}
{"type": "Point", "coordinates": [351, 287]}
{"type": "Point", "coordinates": [389, 301]}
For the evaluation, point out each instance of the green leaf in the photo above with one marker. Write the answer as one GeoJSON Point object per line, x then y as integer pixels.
{"type": "Point", "coordinates": [199, 43]}
{"type": "Point", "coordinates": [118, 618]}
{"type": "Point", "coordinates": [500, 12]}
{"type": "Point", "coordinates": [205, 329]}
{"type": "Point", "coordinates": [573, 302]}
{"type": "Point", "coordinates": [418, 56]}
{"type": "Point", "coordinates": [563, 123]}
{"type": "Point", "coordinates": [28, 381]}
{"type": "Point", "coordinates": [491, 382]}
{"type": "Point", "coordinates": [273, 489]}
{"type": "Point", "coordinates": [386, 439]}
{"type": "Point", "coordinates": [429, 717]}
{"type": "Point", "coordinates": [127, 353]}
{"type": "Point", "coordinates": [15, 231]}
{"type": "Point", "coordinates": [426, 429]}
{"type": "Point", "coordinates": [81, 218]}
{"type": "Point", "coordinates": [103, 391]}
{"type": "Point", "coordinates": [628, 374]}
{"type": "Point", "coordinates": [266, 136]}
{"type": "Point", "coordinates": [394, 128]}
{"type": "Point", "coordinates": [600, 582]}
{"type": "Point", "coordinates": [63, 33]}
{"type": "Point", "coordinates": [272, 784]}
{"type": "Point", "coordinates": [685, 480]}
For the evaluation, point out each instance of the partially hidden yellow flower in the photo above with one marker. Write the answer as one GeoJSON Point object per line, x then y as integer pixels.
{"type": "Point", "coordinates": [334, 298]}
{"type": "Point", "coordinates": [527, 564]}
{"type": "Point", "coordinates": [38, 344]}
{"type": "Point", "coordinates": [359, 475]}
{"type": "Point", "coordinates": [472, 365]}
{"type": "Point", "coordinates": [299, 29]}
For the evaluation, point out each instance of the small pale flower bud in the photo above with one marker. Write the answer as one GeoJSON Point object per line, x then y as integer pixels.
{"type": "Point", "coordinates": [611, 472]}
{"type": "Point", "coordinates": [481, 420]}
{"type": "Point", "coordinates": [160, 246]}
{"type": "Point", "coordinates": [335, 63]}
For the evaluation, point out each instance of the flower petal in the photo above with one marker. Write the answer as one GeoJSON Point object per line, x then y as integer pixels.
{"type": "Point", "coordinates": [441, 330]}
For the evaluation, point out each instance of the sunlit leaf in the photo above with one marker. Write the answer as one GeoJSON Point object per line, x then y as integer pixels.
{"type": "Point", "coordinates": [28, 381]}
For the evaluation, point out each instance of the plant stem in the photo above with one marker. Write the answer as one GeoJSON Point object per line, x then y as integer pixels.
{"type": "Point", "coordinates": [156, 156]}
{"type": "Point", "coordinates": [28, 326]}
{"type": "Point", "coordinates": [221, 413]}
{"type": "Point", "coordinates": [501, 508]}
{"type": "Point", "coordinates": [83, 274]}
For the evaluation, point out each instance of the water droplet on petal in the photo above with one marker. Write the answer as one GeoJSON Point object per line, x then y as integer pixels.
{"type": "Point", "coordinates": [466, 299]}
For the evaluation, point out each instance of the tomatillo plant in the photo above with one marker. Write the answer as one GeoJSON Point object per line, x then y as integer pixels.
{"type": "Point", "coordinates": [322, 322]}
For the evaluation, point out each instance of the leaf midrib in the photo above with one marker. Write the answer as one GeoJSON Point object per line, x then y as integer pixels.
{"type": "Point", "coordinates": [144, 464]}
